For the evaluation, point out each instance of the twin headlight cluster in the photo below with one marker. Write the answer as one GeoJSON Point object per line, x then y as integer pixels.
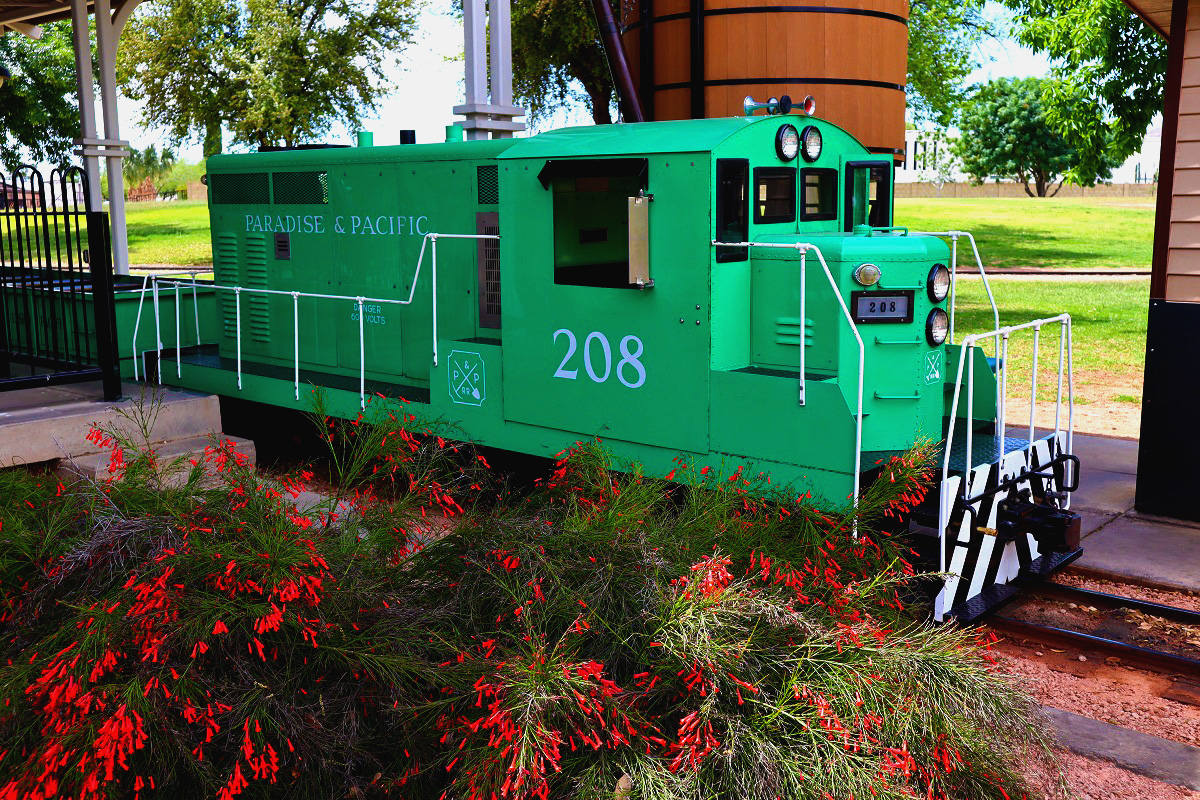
{"type": "Point", "coordinates": [789, 143]}
{"type": "Point", "coordinates": [937, 324]}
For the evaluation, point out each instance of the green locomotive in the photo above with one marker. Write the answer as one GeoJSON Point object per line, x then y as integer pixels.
{"type": "Point", "coordinates": [731, 290]}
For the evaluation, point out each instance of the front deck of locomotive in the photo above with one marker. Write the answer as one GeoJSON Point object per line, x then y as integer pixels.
{"type": "Point", "coordinates": [839, 295]}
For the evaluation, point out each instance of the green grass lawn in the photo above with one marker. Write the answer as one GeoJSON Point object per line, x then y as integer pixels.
{"type": "Point", "coordinates": [173, 233]}
{"type": "Point", "coordinates": [1020, 232]}
{"type": "Point", "coordinates": [1046, 232]}
{"type": "Point", "coordinates": [1108, 317]}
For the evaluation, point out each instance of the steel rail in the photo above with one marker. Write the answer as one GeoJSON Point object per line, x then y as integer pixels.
{"type": "Point", "coordinates": [1156, 660]}
{"type": "Point", "coordinates": [1173, 613]}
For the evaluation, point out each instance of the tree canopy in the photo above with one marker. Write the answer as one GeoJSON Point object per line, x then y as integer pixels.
{"type": "Point", "coordinates": [266, 72]}
{"type": "Point", "coordinates": [147, 163]}
{"type": "Point", "coordinates": [942, 38]}
{"type": "Point", "coordinates": [1110, 74]}
{"type": "Point", "coordinates": [556, 42]}
{"type": "Point", "coordinates": [39, 118]}
{"type": "Point", "coordinates": [1005, 133]}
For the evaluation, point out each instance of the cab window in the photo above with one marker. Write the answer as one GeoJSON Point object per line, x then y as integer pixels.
{"type": "Point", "coordinates": [733, 201]}
{"type": "Point", "coordinates": [591, 223]}
{"type": "Point", "coordinates": [819, 193]}
{"type": "Point", "coordinates": [868, 195]}
{"type": "Point", "coordinates": [774, 194]}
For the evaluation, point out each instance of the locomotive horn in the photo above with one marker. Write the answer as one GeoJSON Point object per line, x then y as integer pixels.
{"type": "Point", "coordinates": [810, 105]}
{"type": "Point", "coordinates": [750, 105]}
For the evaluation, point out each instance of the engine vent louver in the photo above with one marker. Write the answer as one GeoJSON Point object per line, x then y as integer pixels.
{"type": "Point", "coordinates": [227, 274]}
{"type": "Point", "coordinates": [489, 185]}
{"type": "Point", "coordinates": [491, 272]}
{"type": "Point", "coordinates": [251, 188]}
{"type": "Point", "coordinates": [256, 278]}
{"type": "Point", "coordinates": [300, 188]}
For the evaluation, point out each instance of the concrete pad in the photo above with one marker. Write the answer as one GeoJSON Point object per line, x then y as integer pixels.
{"type": "Point", "coordinates": [49, 423]}
{"type": "Point", "coordinates": [1106, 454]}
{"type": "Point", "coordinates": [1103, 491]}
{"type": "Point", "coordinates": [1145, 550]}
{"type": "Point", "coordinates": [180, 453]}
{"type": "Point", "coordinates": [1092, 521]}
{"type": "Point", "coordinates": [1161, 759]}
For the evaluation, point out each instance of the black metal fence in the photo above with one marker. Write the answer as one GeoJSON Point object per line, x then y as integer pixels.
{"type": "Point", "coordinates": [57, 318]}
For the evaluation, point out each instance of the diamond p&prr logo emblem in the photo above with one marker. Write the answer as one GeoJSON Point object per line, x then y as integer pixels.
{"type": "Point", "coordinates": [468, 381]}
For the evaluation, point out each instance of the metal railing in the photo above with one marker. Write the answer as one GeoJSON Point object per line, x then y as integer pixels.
{"type": "Point", "coordinates": [954, 236]}
{"type": "Point", "coordinates": [56, 304]}
{"type": "Point", "coordinates": [966, 364]}
{"type": "Point", "coordinates": [137, 322]}
{"type": "Point", "coordinates": [360, 300]}
{"type": "Point", "coordinates": [804, 249]}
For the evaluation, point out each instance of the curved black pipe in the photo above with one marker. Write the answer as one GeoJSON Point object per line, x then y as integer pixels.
{"type": "Point", "coordinates": [614, 51]}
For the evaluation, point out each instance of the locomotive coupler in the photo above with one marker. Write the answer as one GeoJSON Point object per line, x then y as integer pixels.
{"type": "Point", "coordinates": [1054, 529]}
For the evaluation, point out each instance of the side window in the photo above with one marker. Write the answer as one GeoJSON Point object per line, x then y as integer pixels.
{"type": "Point", "coordinates": [819, 194]}
{"type": "Point", "coordinates": [868, 195]}
{"type": "Point", "coordinates": [591, 230]}
{"type": "Point", "coordinates": [775, 194]}
{"type": "Point", "coordinates": [733, 207]}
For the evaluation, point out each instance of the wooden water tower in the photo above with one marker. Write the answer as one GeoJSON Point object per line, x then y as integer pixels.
{"type": "Point", "coordinates": [699, 58]}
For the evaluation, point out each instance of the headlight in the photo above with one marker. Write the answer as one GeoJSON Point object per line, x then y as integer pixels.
{"type": "Point", "coordinates": [787, 142]}
{"type": "Point", "coordinates": [937, 326]}
{"type": "Point", "coordinates": [867, 274]}
{"type": "Point", "coordinates": [812, 143]}
{"type": "Point", "coordinates": [939, 283]}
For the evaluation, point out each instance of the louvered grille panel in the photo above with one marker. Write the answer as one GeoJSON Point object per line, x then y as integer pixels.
{"type": "Point", "coordinates": [256, 277]}
{"type": "Point", "coordinates": [489, 184]}
{"type": "Point", "coordinates": [491, 271]}
{"type": "Point", "coordinates": [487, 223]}
{"type": "Point", "coordinates": [251, 188]}
{"type": "Point", "coordinates": [226, 273]}
{"type": "Point", "coordinates": [300, 188]}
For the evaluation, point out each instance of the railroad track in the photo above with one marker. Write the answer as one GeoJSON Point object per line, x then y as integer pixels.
{"type": "Point", "coordinates": [1128, 653]}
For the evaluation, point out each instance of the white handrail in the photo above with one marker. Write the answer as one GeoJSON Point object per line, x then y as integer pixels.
{"type": "Point", "coordinates": [803, 248]}
{"type": "Point", "coordinates": [966, 361]}
{"type": "Point", "coordinates": [954, 237]}
{"type": "Point", "coordinates": [137, 320]}
{"type": "Point", "coordinates": [359, 300]}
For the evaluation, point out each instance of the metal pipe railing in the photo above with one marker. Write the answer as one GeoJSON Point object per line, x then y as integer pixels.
{"type": "Point", "coordinates": [137, 321]}
{"type": "Point", "coordinates": [954, 236]}
{"type": "Point", "coordinates": [804, 248]}
{"type": "Point", "coordinates": [359, 301]}
{"type": "Point", "coordinates": [966, 363]}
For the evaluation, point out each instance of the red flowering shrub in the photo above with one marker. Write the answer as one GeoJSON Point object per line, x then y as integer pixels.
{"type": "Point", "coordinates": [605, 635]}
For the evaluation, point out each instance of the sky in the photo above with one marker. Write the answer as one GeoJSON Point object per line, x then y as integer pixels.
{"type": "Point", "coordinates": [430, 82]}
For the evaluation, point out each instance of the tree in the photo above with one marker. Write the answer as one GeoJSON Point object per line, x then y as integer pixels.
{"type": "Point", "coordinates": [1005, 133]}
{"type": "Point", "coordinates": [38, 116]}
{"type": "Point", "coordinates": [267, 72]}
{"type": "Point", "coordinates": [942, 38]}
{"type": "Point", "coordinates": [1110, 77]}
{"type": "Point", "coordinates": [556, 51]}
{"type": "Point", "coordinates": [150, 164]}
{"type": "Point", "coordinates": [937, 162]}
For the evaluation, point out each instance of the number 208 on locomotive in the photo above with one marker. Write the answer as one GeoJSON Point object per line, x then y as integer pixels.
{"type": "Point", "coordinates": [730, 290]}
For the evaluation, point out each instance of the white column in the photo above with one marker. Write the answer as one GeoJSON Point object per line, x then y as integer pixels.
{"type": "Point", "coordinates": [500, 27]}
{"type": "Point", "coordinates": [87, 103]}
{"type": "Point", "coordinates": [106, 56]}
{"type": "Point", "coordinates": [475, 50]}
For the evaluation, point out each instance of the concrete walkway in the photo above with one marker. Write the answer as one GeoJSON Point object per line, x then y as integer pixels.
{"type": "Point", "coordinates": [50, 424]}
{"type": "Point", "coordinates": [1116, 539]}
